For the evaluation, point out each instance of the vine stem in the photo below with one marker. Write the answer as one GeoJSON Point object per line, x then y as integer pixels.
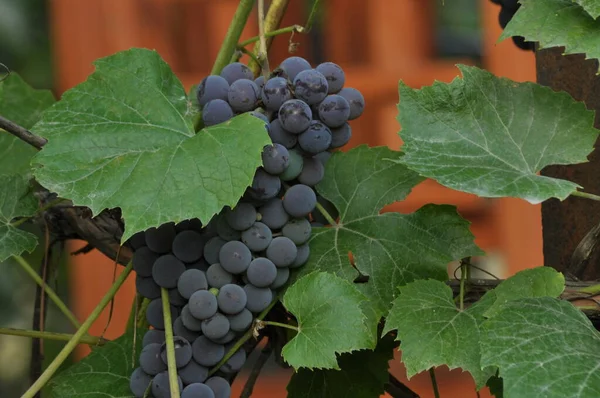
{"type": "Point", "coordinates": [265, 353]}
{"type": "Point", "coordinates": [36, 334]}
{"type": "Point", "coordinates": [22, 133]}
{"type": "Point", "coordinates": [586, 195]}
{"type": "Point", "coordinates": [38, 211]}
{"type": "Point", "coordinates": [464, 275]}
{"type": "Point", "coordinates": [436, 392]}
{"type": "Point", "coordinates": [81, 332]}
{"type": "Point", "coordinates": [325, 214]}
{"type": "Point", "coordinates": [273, 33]}
{"type": "Point", "coordinates": [279, 324]}
{"type": "Point", "coordinates": [171, 366]}
{"type": "Point", "coordinates": [262, 52]}
{"type": "Point", "coordinates": [51, 294]}
{"type": "Point", "coordinates": [271, 22]}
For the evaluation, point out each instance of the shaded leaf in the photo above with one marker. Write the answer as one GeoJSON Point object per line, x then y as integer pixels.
{"type": "Point", "coordinates": [592, 7]}
{"type": "Point", "coordinates": [16, 200]}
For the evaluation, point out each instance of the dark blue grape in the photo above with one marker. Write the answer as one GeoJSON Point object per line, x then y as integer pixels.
{"type": "Point", "coordinates": [139, 382]}
{"type": "Point", "coordinates": [275, 158]}
{"type": "Point", "coordinates": [137, 240]}
{"type": "Point", "coordinates": [143, 260]}
{"type": "Point", "coordinates": [166, 271]}
{"type": "Point", "coordinates": [231, 299]}
{"type": "Point", "coordinates": [260, 116]}
{"type": "Point", "coordinates": [264, 185]}
{"type": "Point", "coordinates": [193, 372]}
{"type": "Point", "coordinates": [258, 298]}
{"type": "Point", "coordinates": [146, 287]}
{"type": "Point", "coordinates": [312, 172]}
{"type": "Point", "coordinates": [236, 71]}
{"type": "Point", "coordinates": [225, 230]}
{"type": "Point", "coordinates": [212, 248]}
{"type": "Point", "coordinates": [282, 252]}
{"type": "Point", "coordinates": [215, 112]}
{"type": "Point", "coordinates": [295, 116]}
{"type": "Point", "coordinates": [280, 136]}
{"type": "Point", "coordinates": [220, 387]}
{"type": "Point", "coordinates": [243, 95]}
{"type": "Point", "coordinates": [334, 74]}
{"type": "Point", "coordinates": [261, 272]}
{"type": "Point", "coordinates": [241, 321]}
{"type": "Point", "coordinates": [160, 239]}
{"type": "Point", "coordinates": [334, 111]}
{"type": "Point", "coordinates": [153, 336]}
{"type": "Point", "coordinates": [183, 351]}
{"type": "Point", "coordinates": [176, 298]}
{"type": "Point", "coordinates": [207, 353]}
{"type": "Point", "coordinates": [299, 200]}
{"type": "Point", "coordinates": [197, 390]}
{"type": "Point", "coordinates": [302, 256]}
{"type": "Point", "coordinates": [210, 88]}
{"type": "Point", "coordinates": [150, 360]}
{"type": "Point", "coordinates": [273, 215]}
{"type": "Point", "coordinates": [203, 304]}
{"type": "Point", "coordinates": [294, 65]}
{"type": "Point", "coordinates": [298, 230]}
{"type": "Point", "coordinates": [275, 92]}
{"type": "Point", "coordinates": [323, 157]}
{"type": "Point", "coordinates": [241, 217]}
{"type": "Point", "coordinates": [154, 314]}
{"type": "Point", "coordinates": [217, 276]}
{"type": "Point", "coordinates": [356, 101]}
{"type": "Point", "coordinates": [216, 326]}
{"type": "Point", "coordinates": [257, 237]}
{"type": "Point", "coordinates": [310, 86]}
{"type": "Point", "coordinates": [179, 329]}
{"type": "Point", "coordinates": [235, 257]}
{"type": "Point", "coordinates": [188, 246]}
{"type": "Point", "coordinates": [316, 139]}
{"type": "Point", "coordinates": [294, 167]}
{"type": "Point", "coordinates": [283, 274]}
{"type": "Point", "coordinates": [189, 321]}
{"type": "Point", "coordinates": [190, 282]}
{"type": "Point", "coordinates": [235, 362]}
{"type": "Point", "coordinates": [260, 82]}
{"type": "Point", "coordinates": [340, 136]}
{"type": "Point", "coordinates": [192, 224]}
{"type": "Point", "coordinates": [161, 387]}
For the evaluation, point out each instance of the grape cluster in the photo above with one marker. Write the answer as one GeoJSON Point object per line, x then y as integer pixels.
{"type": "Point", "coordinates": [508, 8]}
{"type": "Point", "coordinates": [219, 276]}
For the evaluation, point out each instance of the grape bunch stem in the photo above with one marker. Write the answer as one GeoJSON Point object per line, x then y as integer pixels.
{"type": "Point", "coordinates": [36, 334]}
{"type": "Point", "coordinates": [172, 368]}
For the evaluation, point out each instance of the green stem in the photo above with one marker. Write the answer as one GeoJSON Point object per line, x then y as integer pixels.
{"type": "Point", "coordinates": [436, 392]}
{"type": "Point", "coordinates": [311, 16]}
{"type": "Point", "coordinates": [36, 334]}
{"type": "Point", "coordinates": [272, 21]}
{"type": "Point", "coordinates": [279, 324]}
{"type": "Point", "coordinates": [81, 332]}
{"type": "Point", "coordinates": [262, 52]}
{"type": "Point", "coordinates": [142, 322]}
{"type": "Point", "coordinates": [233, 35]}
{"type": "Point", "coordinates": [171, 366]}
{"type": "Point", "coordinates": [135, 308]}
{"type": "Point", "coordinates": [325, 214]}
{"type": "Point", "coordinates": [273, 33]}
{"type": "Point", "coordinates": [594, 289]}
{"type": "Point", "coordinates": [464, 275]}
{"type": "Point", "coordinates": [586, 195]}
{"type": "Point", "coordinates": [51, 294]}
{"type": "Point", "coordinates": [38, 211]}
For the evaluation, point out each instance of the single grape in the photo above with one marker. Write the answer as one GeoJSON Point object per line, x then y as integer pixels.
{"type": "Point", "coordinates": [207, 353]}
{"type": "Point", "coordinates": [334, 111]}
{"type": "Point", "coordinates": [275, 92]}
{"type": "Point", "coordinates": [210, 229]}
{"type": "Point", "coordinates": [210, 88]}
{"type": "Point", "coordinates": [257, 237]}
{"type": "Point", "coordinates": [175, 298]}
{"type": "Point", "coordinates": [356, 101]}
{"type": "Point", "coordinates": [217, 276]}
{"type": "Point", "coordinates": [260, 82]}
{"type": "Point", "coordinates": [259, 298]}
{"type": "Point", "coordinates": [153, 336]}
{"type": "Point", "coordinates": [212, 248]}
{"type": "Point", "coordinates": [220, 387]}
{"type": "Point", "coordinates": [294, 65]}
{"type": "Point", "coordinates": [310, 86]}
{"type": "Point", "coordinates": [243, 95]}
{"type": "Point", "coordinates": [280, 136]}
{"type": "Point", "coordinates": [190, 282]}
{"type": "Point", "coordinates": [340, 136]}
{"type": "Point", "coordinates": [295, 116]}
{"type": "Point", "coordinates": [231, 299]}
{"type": "Point", "coordinates": [224, 229]}
{"type": "Point", "coordinates": [264, 185]}
{"type": "Point", "coordinates": [150, 360]}
{"type": "Point", "coordinates": [273, 215]}
{"type": "Point", "coordinates": [183, 351]}
{"type": "Point", "coordinates": [216, 326]}
{"type": "Point", "coordinates": [200, 265]}
{"type": "Point", "coordinates": [316, 139]}
{"type": "Point", "coordinates": [334, 74]}
{"type": "Point", "coordinates": [241, 321]}
{"type": "Point", "coordinates": [235, 362]}
{"type": "Point", "coordinates": [139, 382]}
{"type": "Point", "coordinates": [302, 256]}
{"type": "Point", "coordinates": [312, 172]}
{"type": "Point", "coordinates": [166, 271]}
{"type": "Point", "coordinates": [236, 71]}
{"type": "Point", "coordinates": [154, 314]}
{"type": "Point", "coordinates": [192, 224]}
{"type": "Point", "coordinates": [137, 240]}
{"type": "Point", "coordinates": [324, 156]}
{"type": "Point", "coordinates": [143, 260]}
{"type": "Point", "coordinates": [295, 166]}
{"type": "Point", "coordinates": [282, 251]}
{"type": "Point", "coordinates": [298, 230]}
{"type": "Point", "coordinates": [146, 287]}
{"type": "Point", "coordinates": [235, 257]}
{"type": "Point", "coordinates": [203, 304]}
{"type": "Point", "coordinates": [216, 111]}
{"type": "Point", "coordinates": [193, 372]}
{"type": "Point", "coordinates": [179, 329]}
{"type": "Point", "coordinates": [161, 387]}
{"type": "Point", "coordinates": [189, 321]}
{"type": "Point", "coordinates": [160, 239]}
{"type": "Point", "coordinates": [283, 274]}
{"type": "Point", "coordinates": [241, 217]}
{"type": "Point", "coordinates": [229, 337]}
{"type": "Point", "coordinates": [188, 246]}
{"type": "Point", "coordinates": [260, 116]}
{"type": "Point", "coordinates": [197, 390]}
{"type": "Point", "coordinates": [261, 272]}
{"type": "Point", "coordinates": [275, 158]}
{"type": "Point", "coordinates": [299, 200]}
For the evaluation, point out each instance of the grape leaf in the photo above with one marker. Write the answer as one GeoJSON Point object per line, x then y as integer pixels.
{"type": "Point", "coordinates": [362, 374]}
{"type": "Point", "coordinates": [557, 23]}
{"type": "Point", "coordinates": [124, 138]}
{"type": "Point", "coordinates": [391, 249]}
{"type": "Point", "coordinates": [330, 321]}
{"type": "Point", "coordinates": [543, 347]}
{"type": "Point", "coordinates": [490, 136]}
{"type": "Point", "coordinates": [592, 7]}
{"type": "Point", "coordinates": [23, 105]}
{"type": "Point", "coordinates": [16, 200]}
{"type": "Point", "coordinates": [104, 373]}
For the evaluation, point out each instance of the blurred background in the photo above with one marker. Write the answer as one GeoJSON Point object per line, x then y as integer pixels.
{"type": "Point", "coordinates": [52, 44]}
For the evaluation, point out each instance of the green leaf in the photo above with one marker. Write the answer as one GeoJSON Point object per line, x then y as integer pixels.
{"type": "Point", "coordinates": [434, 332]}
{"type": "Point", "coordinates": [330, 321]}
{"type": "Point", "coordinates": [557, 23]}
{"type": "Point", "coordinates": [490, 136]}
{"type": "Point", "coordinates": [362, 374]}
{"type": "Point", "coordinates": [23, 105]}
{"type": "Point", "coordinates": [16, 200]}
{"type": "Point", "coordinates": [592, 7]}
{"type": "Point", "coordinates": [543, 347]}
{"type": "Point", "coordinates": [102, 374]}
{"type": "Point", "coordinates": [124, 138]}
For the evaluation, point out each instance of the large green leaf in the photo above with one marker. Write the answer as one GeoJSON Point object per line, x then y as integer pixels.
{"type": "Point", "coordinates": [23, 105]}
{"type": "Point", "coordinates": [557, 23]}
{"type": "Point", "coordinates": [102, 374]}
{"type": "Point", "coordinates": [330, 321]}
{"type": "Point", "coordinates": [16, 200]}
{"type": "Point", "coordinates": [491, 136]}
{"type": "Point", "coordinates": [543, 347]}
{"type": "Point", "coordinates": [392, 249]}
{"type": "Point", "coordinates": [592, 7]}
{"type": "Point", "coordinates": [362, 374]}
{"type": "Point", "coordinates": [124, 138]}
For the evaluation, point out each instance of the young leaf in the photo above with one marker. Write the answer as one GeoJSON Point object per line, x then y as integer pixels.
{"type": "Point", "coordinates": [592, 7]}
{"type": "Point", "coordinates": [543, 347]}
{"type": "Point", "coordinates": [362, 374]}
{"type": "Point", "coordinates": [124, 138]}
{"type": "Point", "coordinates": [330, 321]}
{"type": "Point", "coordinates": [490, 136]}
{"type": "Point", "coordinates": [391, 249]}
{"type": "Point", "coordinates": [557, 23]}
{"type": "Point", "coordinates": [23, 105]}
{"type": "Point", "coordinates": [102, 374]}
{"type": "Point", "coordinates": [16, 200]}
